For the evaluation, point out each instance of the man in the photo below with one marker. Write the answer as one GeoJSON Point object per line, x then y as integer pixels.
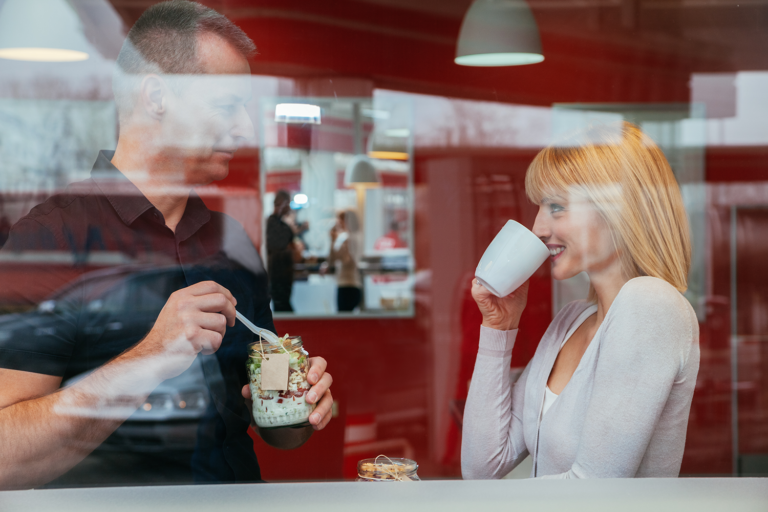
{"type": "Point", "coordinates": [280, 253]}
{"type": "Point", "coordinates": [391, 240]}
{"type": "Point", "coordinates": [181, 83]}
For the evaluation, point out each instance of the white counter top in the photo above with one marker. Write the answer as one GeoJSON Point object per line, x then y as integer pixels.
{"type": "Point", "coordinates": [681, 495]}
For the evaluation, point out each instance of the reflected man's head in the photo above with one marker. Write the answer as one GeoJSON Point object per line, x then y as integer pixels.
{"type": "Point", "coordinates": [181, 81]}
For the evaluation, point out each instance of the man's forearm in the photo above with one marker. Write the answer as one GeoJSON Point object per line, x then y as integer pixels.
{"type": "Point", "coordinates": [42, 438]}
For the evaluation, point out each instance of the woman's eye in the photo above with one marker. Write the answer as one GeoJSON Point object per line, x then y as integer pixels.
{"type": "Point", "coordinates": [554, 207]}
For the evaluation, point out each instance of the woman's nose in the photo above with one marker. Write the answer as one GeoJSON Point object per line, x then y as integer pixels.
{"type": "Point", "coordinates": [541, 226]}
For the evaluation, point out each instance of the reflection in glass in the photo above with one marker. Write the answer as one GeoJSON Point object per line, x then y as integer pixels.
{"type": "Point", "coordinates": [338, 205]}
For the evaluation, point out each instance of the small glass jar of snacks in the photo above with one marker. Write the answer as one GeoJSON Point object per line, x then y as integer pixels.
{"type": "Point", "coordinates": [384, 469]}
{"type": "Point", "coordinates": [274, 408]}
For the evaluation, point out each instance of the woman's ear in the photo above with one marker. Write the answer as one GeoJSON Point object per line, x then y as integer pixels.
{"type": "Point", "coordinates": [153, 96]}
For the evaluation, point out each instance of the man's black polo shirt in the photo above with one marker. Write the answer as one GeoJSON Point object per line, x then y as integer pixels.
{"type": "Point", "coordinates": [82, 246]}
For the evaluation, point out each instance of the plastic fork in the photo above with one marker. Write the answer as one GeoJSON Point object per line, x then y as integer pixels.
{"type": "Point", "coordinates": [268, 335]}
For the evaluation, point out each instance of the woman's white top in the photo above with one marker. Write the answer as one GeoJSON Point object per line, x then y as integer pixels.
{"type": "Point", "coordinates": [549, 399]}
{"type": "Point", "coordinates": [549, 396]}
{"type": "Point", "coordinates": [624, 412]}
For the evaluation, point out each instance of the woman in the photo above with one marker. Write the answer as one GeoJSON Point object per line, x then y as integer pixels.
{"type": "Point", "coordinates": [345, 249]}
{"type": "Point", "coordinates": [609, 389]}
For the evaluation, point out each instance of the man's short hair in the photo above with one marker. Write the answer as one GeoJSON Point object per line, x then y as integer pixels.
{"type": "Point", "coordinates": [282, 196]}
{"type": "Point", "coordinates": [164, 41]}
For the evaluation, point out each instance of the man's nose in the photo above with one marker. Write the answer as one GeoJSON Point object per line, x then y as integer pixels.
{"type": "Point", "coordinates": [243, 130]}
{"type": "Point", "coordinates": [541, 226]}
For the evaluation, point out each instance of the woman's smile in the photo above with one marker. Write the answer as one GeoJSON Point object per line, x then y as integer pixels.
{"type": "Point", "coordinates": [555, 251]}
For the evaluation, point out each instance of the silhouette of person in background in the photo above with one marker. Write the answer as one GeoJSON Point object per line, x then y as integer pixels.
{"type": "Point", "coordinates": [345, 252]}
{"type": "Point", "coordinates": [280, 253]}
{"type": "Point", "coordinates": [390, 240]}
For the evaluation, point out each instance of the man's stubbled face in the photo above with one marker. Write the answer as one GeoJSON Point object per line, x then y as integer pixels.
{"type": "Point", "coordinates": [206, 121]}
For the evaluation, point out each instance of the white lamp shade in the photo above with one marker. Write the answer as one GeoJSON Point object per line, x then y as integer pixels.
{"type": "Point", "coordinates": [42, 30]}
{"type": "Point", "coordinates": [498, 33]}
{"type": "Point", "coordinates": [360, 171]}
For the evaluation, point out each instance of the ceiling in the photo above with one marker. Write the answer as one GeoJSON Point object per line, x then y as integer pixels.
{"type": "Point", "coordinates": [610, 50]}
{"type": "Point", "coordinates": [738, 27]}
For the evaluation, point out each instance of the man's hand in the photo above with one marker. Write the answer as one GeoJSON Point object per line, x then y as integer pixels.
{"type": "Point", "coordinates": [194, 320]}
{"type": "Point", "coordinates": [319, 393]}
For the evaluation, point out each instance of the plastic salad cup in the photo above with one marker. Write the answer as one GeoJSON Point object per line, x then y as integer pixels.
{"type": "Point", "coordinates": [272, 409]}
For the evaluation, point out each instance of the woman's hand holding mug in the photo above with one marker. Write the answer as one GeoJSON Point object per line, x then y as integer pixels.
{"type": "Point", "coordinates": [500, 287]}
{"type": "Point", "coordinates": [500, 313]}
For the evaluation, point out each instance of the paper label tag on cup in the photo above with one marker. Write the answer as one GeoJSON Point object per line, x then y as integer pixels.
{"type": "Point", "coordinates": [274, 372]}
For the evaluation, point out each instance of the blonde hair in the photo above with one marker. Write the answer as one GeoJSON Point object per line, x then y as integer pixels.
{"type": "Point", "coordinates": [351, 220]}
{"type": "Point", "coordinates": [625, 176]}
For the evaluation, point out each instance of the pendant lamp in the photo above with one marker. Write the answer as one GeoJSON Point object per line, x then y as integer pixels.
{"type": "Point", "coordinates": [498, 33]}
{"type": "Point", "coordinates": [42, 31]}
{"type": "Point", "coordinates": [360, 172]}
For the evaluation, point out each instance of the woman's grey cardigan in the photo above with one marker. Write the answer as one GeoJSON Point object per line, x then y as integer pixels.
{"type": "Point", "coordinates": [624, 412]}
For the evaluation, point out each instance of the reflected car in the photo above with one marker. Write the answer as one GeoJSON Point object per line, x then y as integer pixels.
{"type": "Point", "coordinates": [118, 307]}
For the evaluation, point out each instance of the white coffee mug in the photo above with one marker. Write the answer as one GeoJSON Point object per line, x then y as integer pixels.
{"type": "Point", "coordinates": [513, 257]}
